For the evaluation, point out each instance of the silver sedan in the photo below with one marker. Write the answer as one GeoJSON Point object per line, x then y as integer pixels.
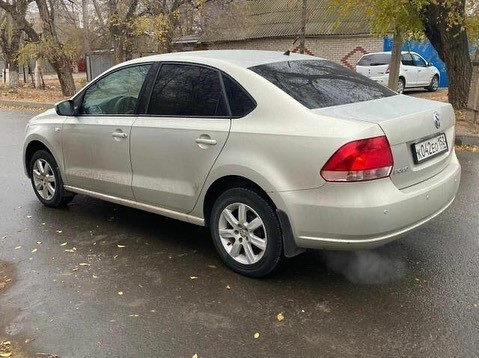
{"type": "Point", "coordinates": [275, 153]}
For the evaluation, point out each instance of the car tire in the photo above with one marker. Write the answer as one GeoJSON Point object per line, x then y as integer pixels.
{"type": "Point", "coordinates": [46, 180]}
{"type": "Point", "coordinates": [401, 86]}
{"type": "Point", "coordinates": [246, 232]}
{"type": "Point", "coordinates": [434, 85]}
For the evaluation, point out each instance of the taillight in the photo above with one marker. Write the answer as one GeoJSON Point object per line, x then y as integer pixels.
{"type": "Point", "coordinates": [364, 159]}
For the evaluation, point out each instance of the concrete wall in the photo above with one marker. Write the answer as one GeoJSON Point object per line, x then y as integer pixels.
{"type": "Point", "coordinates": [345, 50]}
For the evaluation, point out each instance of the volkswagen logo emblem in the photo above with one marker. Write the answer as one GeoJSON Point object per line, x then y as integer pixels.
{"type": "Point", "coordinates": [437, 120]}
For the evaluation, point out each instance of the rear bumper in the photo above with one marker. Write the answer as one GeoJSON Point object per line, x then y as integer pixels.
{"type": "Point", "coordinates": [355, 216]}
{"type": "Point", "coordinates": [383, 80]}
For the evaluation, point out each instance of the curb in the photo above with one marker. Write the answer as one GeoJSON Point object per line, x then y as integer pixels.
{"type": "Point", "coordinates": [29, 104]}
{"type": "Point", "coordinates": [462, 139]}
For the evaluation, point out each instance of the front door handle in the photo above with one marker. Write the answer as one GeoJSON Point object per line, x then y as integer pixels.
{"type": "Point", "coordinates": [206, 141]}
{"type": "Point", "coordinates": [119, 135]}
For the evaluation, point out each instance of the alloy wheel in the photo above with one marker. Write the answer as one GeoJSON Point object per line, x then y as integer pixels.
{"type": "Point", "coordinates": [44, 179]}
{"type": "Point", "coordinates": [242, 233]}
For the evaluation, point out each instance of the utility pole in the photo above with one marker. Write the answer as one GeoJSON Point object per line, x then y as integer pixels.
{"type": "Point", "coordinates": [304, 15]}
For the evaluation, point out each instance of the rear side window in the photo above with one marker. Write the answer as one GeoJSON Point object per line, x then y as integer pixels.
{"type": "Point", "coordinates": [377, 59]}
{"type": "Point", "coordinates": [187, 90]}
{"type": "Point", "coordinates": [240, 102]}
{"type": "Point", "coordinates": [320, 83]}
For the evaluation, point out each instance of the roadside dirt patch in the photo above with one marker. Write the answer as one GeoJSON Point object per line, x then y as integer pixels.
{"type": "Point", "coordinates": [5, 276]}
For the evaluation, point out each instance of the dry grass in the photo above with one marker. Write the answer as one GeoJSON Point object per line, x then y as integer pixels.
{"type": "Point", "coordinates": [51, 94]}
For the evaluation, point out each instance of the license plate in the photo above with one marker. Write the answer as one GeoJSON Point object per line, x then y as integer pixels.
{"type": "Point", "coordinates": [429, 148]}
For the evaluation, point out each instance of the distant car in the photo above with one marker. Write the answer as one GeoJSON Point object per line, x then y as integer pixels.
{"type": "Point", "coordinates": [415, 71]}
{"type": "Point", "coordinates": [274, 153]}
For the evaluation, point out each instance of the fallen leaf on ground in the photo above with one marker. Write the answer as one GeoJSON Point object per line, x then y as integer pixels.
{"type": "Point", "coordinates": [69, 250]}
{"type": "Point", "coordinates": [95, 276]}
{"type": "Point", "coordinates": [195, 356]}
{"type": "Point", "coordinates": [39, 242]}
{"type": "Point", "coordinates": [84, 264]}
{"type": "Point", "coordinates": [256, 335]}
{"type": "Point", "coordinates": [64, 244]}
{"type": "Point", "coordinates": [193, 277]}
{"type": "Point", "coordinates": [280, 316]}
{"type": "Point", "coordinates": [121, 246]}
{"type": "Point", "coordinates": [4, 237]}
{"type": "Point", "coordinates": [228, 287]}
{"type": "Point", "coordinates": [29, 216]}
{"type": "Point", "coordinates": [34, 250]}
{"type": "Point", "coordinates": [212, 266]}
{"type": "Point", "coordinates": [59, 231]}
{"type": "Point", "coordinates": [18, 247]}
{"type": "Point", "coordinates": [120, 293]}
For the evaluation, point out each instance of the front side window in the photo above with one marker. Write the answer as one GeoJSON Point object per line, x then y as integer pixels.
{"type": "Point", "coordinates": [187, 90]}
{"type": "Point", "coordinates": [320, 83]}
{"type": "Point", "coordinates": [407, 60]}
{"type": "Point", "coordinates": [117, 93]}
{"type": "Point", "coordinates": [419, 61]}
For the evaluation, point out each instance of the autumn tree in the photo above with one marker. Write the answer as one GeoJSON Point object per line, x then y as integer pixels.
{"type": "Point", "coordinates": [399, 18]}
{"type": "Point", "coordinates": [47, 41]}
{"type": "Point", "coordinates": [445, 27]}
{"type": "Point", "coordinates": [443, 22]}
{"type": "Point", "coordinates": [10, 36]}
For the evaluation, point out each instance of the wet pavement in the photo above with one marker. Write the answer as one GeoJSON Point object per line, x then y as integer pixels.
{"type": "Point", "coordinates": [100, 280]}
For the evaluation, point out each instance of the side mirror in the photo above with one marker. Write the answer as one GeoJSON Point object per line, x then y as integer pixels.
{"type": "Point", "coordinates": [429, 64]}
{"type": "Point", "coordinates": [65, 108]}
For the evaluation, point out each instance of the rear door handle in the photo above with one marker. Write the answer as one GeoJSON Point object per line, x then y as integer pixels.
{"type": "Point", "coordinates": [119, 135]}
{"type": "Point", "coordinates": [206, 141]}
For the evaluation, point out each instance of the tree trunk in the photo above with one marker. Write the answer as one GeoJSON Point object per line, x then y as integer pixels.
{"type": "Point", "coordinates": [59, 61]}
{"type": "Point", "coordinates": [64, 72]}
{"type": "Point", "coordinates": [86, 31]}
{"type": "Point", "coordinates": [452, 46]}
{"type": "Point", "coordinates": [39, 73]}
{"type": "Point", "coordinates": [302, 38]}
{"type": "Point", "coordinates": [13, 77]}
{"type": "Point", "coordinates": [472, 114]}
{"type": "Point", "coordinates": [394, 66]}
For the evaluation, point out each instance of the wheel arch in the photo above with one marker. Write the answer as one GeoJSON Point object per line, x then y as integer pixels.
{"type": "Point", "coordinates": [226, 182]}
{"type": "Point", "coordinates": [220, 185]}
{"type": "Point", "coordinates": [31, 148]}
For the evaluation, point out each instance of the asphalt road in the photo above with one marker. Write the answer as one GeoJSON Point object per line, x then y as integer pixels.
{"type": "Point", "coordinates": [417, 297]}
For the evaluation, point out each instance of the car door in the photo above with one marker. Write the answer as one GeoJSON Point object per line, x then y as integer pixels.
{"type": "Point", "coordinates": [176, 142]}
{"type": "Point", "coordinates": [96, 143]}
{"type": "Point", "coordinates": [424, 75]}
{"type": "Point", "coordinates": [409, 69]}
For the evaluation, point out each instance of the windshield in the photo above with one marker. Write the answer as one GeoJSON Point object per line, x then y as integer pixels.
{"type": "Point", "coordinates": [320, 83]}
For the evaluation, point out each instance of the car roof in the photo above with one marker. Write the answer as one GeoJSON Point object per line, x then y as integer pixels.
{"type": "Point", "coordinates": [388, 53]}
{"type": "Point", "coordinates": [242, 58]}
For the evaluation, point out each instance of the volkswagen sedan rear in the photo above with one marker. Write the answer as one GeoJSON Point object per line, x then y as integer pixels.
{"type": "Point", "coordinates": [275, 153]}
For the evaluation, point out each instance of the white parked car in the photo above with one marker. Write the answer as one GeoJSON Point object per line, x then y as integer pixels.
{"type": "Point", "coordinates": [415, 71]}
{"type": "Point", "coordinates": [274, 153]}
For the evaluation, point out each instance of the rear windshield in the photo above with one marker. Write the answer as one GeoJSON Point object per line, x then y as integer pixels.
{"type": "Point", "coordinates": [377, 59]}
{"type": "Point", "coordinates": [320, 83]}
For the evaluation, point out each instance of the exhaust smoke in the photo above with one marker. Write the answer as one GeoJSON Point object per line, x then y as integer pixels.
{"type": "Point", "coordinates": [366, 267]}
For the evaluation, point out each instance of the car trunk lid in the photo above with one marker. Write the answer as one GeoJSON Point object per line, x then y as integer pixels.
{"type": "Point", "coordinates": [372, 71]}
{"type": "Point", "coordinates": [406, 121]}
